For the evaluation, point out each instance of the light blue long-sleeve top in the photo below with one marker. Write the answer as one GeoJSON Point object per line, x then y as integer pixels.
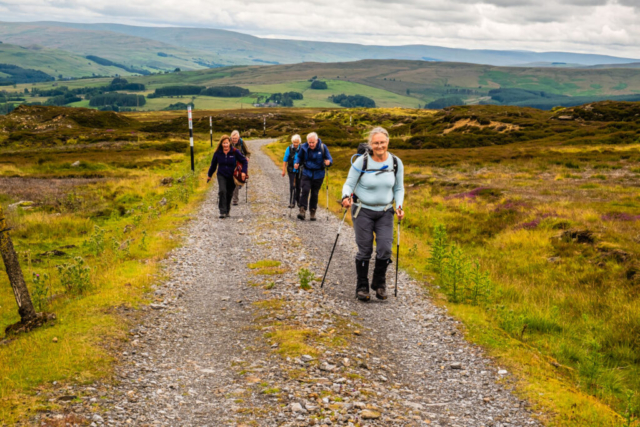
{"type": "Point", "coordinates": [376, 190]}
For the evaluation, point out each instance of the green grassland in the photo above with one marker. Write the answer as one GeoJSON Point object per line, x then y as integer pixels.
{"type": "Point", "coordinates": [54, 62]}
{"type": "Point", "coordinates": [312, 98]}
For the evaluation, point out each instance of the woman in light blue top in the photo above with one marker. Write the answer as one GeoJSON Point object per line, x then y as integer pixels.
{"type": "Point", "coordinates": [374, 183]}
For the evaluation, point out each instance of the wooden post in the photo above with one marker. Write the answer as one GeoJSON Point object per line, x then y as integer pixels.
{"type": "Point", "coordinates": [14, 271]}
{"type": "Point", "coordinates": [190, 135]}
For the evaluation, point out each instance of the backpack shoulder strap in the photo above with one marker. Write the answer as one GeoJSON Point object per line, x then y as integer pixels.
{"type": "Point", "coordinates": [395, 169]}
{"type": "Point", "coordinates": [365, 161]}
{"type": "Point", "coordinates": [324, 150]}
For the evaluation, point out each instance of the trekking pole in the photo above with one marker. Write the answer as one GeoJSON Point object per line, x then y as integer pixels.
{"type": "Point", "coordinates": [334, 247]}
{"type": "Point", "coordinates": [292, 195]}
{"type": "Point", "coordinates": [339, 228]}
{"type": "Point", "coordinates": [328, 213]}
{"type": "Point", "coordinates": [397, 258]}
{"type": "Point", "coordinates": [246, 194]}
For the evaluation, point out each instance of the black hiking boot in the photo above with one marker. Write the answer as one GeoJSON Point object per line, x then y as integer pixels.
{"type": "Point", "coordinates": [302, 214]}
{"type": "Point", "coordinates": [223, 215]}
{"type": "Point", "coordinates": [362, 286]}
{"type": "Point", "coordinates": [379, 281]}
{"type": "Point", "coordinates": [312, 216]}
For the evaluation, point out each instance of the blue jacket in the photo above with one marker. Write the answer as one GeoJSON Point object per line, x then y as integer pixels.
{"type": "Point", "coordinates": [226, 163]}
{"type": "Point", "coordinates": [312, 161]}
{"type": "Point", "coordinates": [289, 158]}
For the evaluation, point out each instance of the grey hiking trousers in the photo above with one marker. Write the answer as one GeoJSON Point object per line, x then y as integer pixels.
{"type": "Point", "coordinates": [365, 225]}
{"type": "Point", "coordinates": [236, 194]}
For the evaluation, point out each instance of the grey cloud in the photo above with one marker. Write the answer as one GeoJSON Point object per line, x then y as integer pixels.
{"type": "Point", "coordinates": [599, 26]}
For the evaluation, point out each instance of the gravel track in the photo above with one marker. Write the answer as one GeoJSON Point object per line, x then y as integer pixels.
{"type": "Point", "coordinates": [202, 354]}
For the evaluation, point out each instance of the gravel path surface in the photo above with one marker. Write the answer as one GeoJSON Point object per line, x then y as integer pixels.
{"type": "Point", "coordinates": [228, 345]}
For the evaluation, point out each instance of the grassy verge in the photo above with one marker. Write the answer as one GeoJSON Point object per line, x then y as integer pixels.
{"type": "Point", "coordinates": [554, 231]}
{"type": "Point", "coordinates": [90, 245]}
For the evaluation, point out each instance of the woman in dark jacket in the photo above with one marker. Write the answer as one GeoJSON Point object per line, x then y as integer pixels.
{"type": "Point", "coordinates": [225, 159]}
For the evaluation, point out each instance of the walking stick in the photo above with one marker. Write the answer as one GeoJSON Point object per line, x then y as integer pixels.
{"type": "Point", "coordinates": [246, 194]}
{"type": "Point", "coordinates": [339, 229]}
{"type": "Point", "coordinates": [397, 258]}
{"type": "Point", "coordinates": [292, 195]}
{"type": "Point", "coordinates": [328, 213]}
{"type": "Point", "coordinates": [334, 247]}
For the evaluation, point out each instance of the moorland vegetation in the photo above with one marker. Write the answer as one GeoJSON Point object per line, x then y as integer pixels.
{"type": "Point", "coordinates": [524, 222]}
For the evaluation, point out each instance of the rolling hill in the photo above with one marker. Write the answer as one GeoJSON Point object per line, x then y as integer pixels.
{"type": "Point", "coordinates": [165, 48]}
{"type": "Point", "coordinates": [131, 51]}
{"type": "Point", "coordinates": [394, 83]}
{"type": "Point", "coordinates": [54, 62]}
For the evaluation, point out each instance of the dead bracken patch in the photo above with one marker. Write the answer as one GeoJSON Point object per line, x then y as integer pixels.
{"type": "Point", "coordinates": [497, 126]}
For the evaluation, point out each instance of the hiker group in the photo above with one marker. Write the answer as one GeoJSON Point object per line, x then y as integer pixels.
{"type": "Point", "coordinates": [373, 192]}
{"type": "Point", "coordinates": [306, 166]}
{"type": "Point", "coordinates": [375, 181]}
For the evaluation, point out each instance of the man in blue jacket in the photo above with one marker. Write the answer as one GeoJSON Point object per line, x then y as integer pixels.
{"type": "Point", "coordinates": [313, 157]}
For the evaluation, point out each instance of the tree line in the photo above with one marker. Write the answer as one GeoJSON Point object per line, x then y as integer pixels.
{"type": "Point", "coordinates": [352, 101]}
{"type": "Point", "coordinates": [18, 75]}
{"type": "Point", "coordinates": [191, 90]}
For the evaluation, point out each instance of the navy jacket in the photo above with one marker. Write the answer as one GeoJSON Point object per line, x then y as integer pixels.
{"type": "Point", "coordinates": [226, 163]}
{"type": "Point", "coordinates": [312, 161]}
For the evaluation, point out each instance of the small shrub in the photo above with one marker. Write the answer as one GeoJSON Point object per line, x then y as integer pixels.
{"type": "Point", "coordinates": [75, 277]}
{"type": "Point", "coordinates": [438, 248]}
{"type": "Point", "coordinates": [41, 291]}
{"type": "Point", "coordinates": [306, 277]}
{"type": "Point", "coordinates": [95, 243]}
{"type": "Point", "coordinates": [455, 274]}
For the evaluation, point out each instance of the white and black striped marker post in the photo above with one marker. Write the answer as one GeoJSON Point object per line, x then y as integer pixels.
{"type": "Point", "coordinates": [211, 129]}
{"type": "Point", "coordinates": [191, 137]}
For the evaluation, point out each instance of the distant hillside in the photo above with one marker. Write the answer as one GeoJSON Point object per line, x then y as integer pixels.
{"type": "Point", "coordinates": [164, 48]}
{"type": "Point", "coordinates": [394, 83]}
{"type": "Point", "coordinates": [134, 52]}
{"type": "Point", "coordinates": [425, 81]}
{"type": "Point", "coordinates": [54, 62]}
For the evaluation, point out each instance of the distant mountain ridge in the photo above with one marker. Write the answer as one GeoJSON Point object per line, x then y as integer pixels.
{"type": "Point", "coordinates": [164, 48]}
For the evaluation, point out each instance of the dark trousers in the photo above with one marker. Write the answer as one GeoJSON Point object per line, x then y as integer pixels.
{"type": "Point", "coordinates": [294, 188]}
{"type": "Point", "coordinates": [368, 224]}
{"type": "Point", "coordinates": [225, 192]}
{"type": "Point", "coordinates": [312, 186]}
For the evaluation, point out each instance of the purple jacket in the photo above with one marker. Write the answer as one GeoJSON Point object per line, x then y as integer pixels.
{"type": "Point", "coordinates": [226, 163]}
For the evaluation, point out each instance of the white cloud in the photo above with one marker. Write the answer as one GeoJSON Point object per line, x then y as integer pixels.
{"type": "Point", "coordinates": [589, 26]}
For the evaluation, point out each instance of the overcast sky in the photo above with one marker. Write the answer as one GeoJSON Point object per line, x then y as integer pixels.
{"type": "Point", "coordinates": [589, 26]}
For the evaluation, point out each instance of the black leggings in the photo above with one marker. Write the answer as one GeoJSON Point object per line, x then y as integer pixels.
{"type": "Point", "coordinates": [226, 185]}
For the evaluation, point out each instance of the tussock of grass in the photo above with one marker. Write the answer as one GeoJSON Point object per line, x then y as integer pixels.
{"type": "Point", "coordinates": [264, 264]}
{"type": "Point", "coordinates": [292, 342]}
